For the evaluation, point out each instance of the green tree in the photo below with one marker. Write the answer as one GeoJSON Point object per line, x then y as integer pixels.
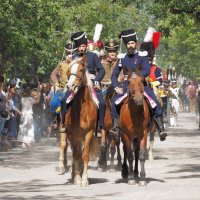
{"type": "Point", "coordinates": [29, 42]}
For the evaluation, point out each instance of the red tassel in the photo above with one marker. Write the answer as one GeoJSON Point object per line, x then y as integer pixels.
{"type": "Point", "coordinates": [156, 39]}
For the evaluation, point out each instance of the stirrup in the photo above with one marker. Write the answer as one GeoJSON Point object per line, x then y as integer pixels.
{"type": "Point", "coordinates": [98, 134]}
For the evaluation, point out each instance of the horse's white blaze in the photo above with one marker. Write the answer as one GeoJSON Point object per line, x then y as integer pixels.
{"type": "Point", "coordinates": [72, 77]}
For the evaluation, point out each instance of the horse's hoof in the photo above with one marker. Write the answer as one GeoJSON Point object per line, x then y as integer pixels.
{"type": "Point", "coordinates": [85, 183]}
{"type": "Point", "coordinates": [142, 183]}
{"type": "Point", "coordinates": [78, 182]}
{"type": "Point", "coordinates": [151, 158]}
{"type": "Point", "coordinates": [112, 170]}
{"type": "Point", "coordinates": [124, 171]}
{"type": "Point", "coordinates": [124, 175]}
{"type": "Point", "coordinates": [131, 182]}
{"type": "Point", "coordinates": [60, 170]}
{"type": "Point", "coordinates": [119, 166]}
{"type": "Point", "coordinates": [101, 169]}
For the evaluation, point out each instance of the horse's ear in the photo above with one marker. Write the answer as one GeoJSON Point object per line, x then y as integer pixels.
{"type": "Point", "coordinates": [140, 68]}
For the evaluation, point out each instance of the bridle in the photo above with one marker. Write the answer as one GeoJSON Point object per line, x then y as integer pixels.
{"type": "Point", "coordinates": [132, 92]}
{"type": "Point", "coordinates": [80, 77]}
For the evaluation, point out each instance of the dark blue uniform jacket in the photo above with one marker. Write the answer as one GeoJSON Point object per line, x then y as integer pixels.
{"type": "Point", "coordinates": [130, 62]}
{"type": "Point", "coordinates": [94, 65]}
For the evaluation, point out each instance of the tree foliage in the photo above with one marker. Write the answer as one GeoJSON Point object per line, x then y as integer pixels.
{"type": "Point", "coordinates": [33, 33]}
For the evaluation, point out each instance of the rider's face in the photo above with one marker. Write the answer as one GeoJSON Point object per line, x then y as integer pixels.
{"type": "Point", "coordinates": [82, 48]}
{"type": "Point", "coordinates": [112, 55]}
{"type": "Point", "coordinates": [131, 44]}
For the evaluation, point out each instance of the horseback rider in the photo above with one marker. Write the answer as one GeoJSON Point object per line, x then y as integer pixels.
{"type": "Point", "coordinates": [59, 78]}
{"type": "Point", "coordinates": [155, 77]}
{"type": "Point", "coordinates": [109, 62]}
{"type": "Point", "coordinates": [96, 74]}
{"type": "Point", "coordinates": [58, 75]}
{"type": "Point", "coordinates": [132, 60]}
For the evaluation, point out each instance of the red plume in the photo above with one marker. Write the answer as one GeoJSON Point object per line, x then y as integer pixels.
{"type": "Point", "coordinates": [99, 44]}
{"type": "Point", "coordinates": [156, 39]}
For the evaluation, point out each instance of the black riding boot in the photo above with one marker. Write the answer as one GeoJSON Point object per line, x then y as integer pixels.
{"type": "Point", "coordinates": [160, 127]}
{"type": "Point", "coordinates": [115, 129]}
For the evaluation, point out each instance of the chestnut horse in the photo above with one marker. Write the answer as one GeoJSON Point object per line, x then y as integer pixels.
{"type": "Point", "coordinates": [134, 126]}
{"type": "Point", "coordinates": [80, 122]}
{"type": "Point", "coordinates": [109, 142]}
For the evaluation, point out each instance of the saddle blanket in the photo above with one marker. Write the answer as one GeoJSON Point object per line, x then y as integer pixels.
{"type": "Point", "coordinates": [120, 99]}
{"type": "Point", "coordinates": [92, 93]}
{"type": "Point", "coordinates": [151, 101]}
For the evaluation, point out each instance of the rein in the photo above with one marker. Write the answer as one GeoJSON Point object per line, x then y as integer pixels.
{"type": "Point", "coordinates": [72, 74]}
{"type": "Point", "coordinates": [80, 78]}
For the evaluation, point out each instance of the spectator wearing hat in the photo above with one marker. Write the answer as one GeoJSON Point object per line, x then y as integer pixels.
{"type": "Point", "coordinates": [132, 60]}
{"type": "Point", "coordinates": [96, 73]}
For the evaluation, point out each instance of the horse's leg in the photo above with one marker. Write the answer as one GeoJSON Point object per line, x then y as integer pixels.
{"type": "Point", "coordinates": [142, 157]}
{"type": "Point", "coordinates": [124, 172]}
{"type": "Point", "coordinates": [119, 158]}
{"type": "Point", "coordinates": [109, 139]}
{"type": "Point", "coordinates": [102, 162]}
{"type": "Point", "coordinates": [57, 129]}
{"type": "Point", "coordinates": [76, 175]}
{"type": "Point", "coordinates": [62, 159]}
{"type": "Point", "coordinates": [112, 153]}
{"type": "Point", "coordinates": [137, 150]}
{"type": "Point", "coordinates": [151, 141]}
{"type": "Point", "coordinates": [129, 155]}
{"type": "Point", "coordinates": [131, 178]}
{"type": "Point", "coordinates": [85, 157]}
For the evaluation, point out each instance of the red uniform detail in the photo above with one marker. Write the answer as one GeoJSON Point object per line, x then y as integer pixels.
{"type": "Point", "coordinates": [152, 73]}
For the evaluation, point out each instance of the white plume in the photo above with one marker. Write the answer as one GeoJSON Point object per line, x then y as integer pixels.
{"type": "Point", "coordinates": [97, 33]}
{"type": "Point", "coordinates": [149, 34]}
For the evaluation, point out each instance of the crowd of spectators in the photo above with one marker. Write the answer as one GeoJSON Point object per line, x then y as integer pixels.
{"type": "Point", "coordinates": [25, 113]}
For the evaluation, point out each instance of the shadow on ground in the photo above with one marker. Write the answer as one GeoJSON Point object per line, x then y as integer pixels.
{"type": "Point", "coordinates": [36, 156]}
{"type": "Point", "coordinates": [31, 190]}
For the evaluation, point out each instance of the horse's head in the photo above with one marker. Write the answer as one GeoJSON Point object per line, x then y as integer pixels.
{"type": "Point", "coordinates": [136, 87]}
{"type": "Point", "coordinates": [76, 74]}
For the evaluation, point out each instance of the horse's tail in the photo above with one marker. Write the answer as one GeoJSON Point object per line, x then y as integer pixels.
{"type": "Point", "coordinates": [94, 148]}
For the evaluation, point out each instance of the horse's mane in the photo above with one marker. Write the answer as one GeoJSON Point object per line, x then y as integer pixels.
{"type": "Point", "coordinates": [90, 88]}
{"type": "Point", "coordinates": [136, 71]}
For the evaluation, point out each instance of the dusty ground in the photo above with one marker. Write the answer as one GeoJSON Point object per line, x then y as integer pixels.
{"type": "Point", "coordinates": [174, 174]}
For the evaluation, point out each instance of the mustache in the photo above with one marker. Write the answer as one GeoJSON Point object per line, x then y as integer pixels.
{"type": "Point", "coordinates": [131, 48]}
{"type": "Point", "coordinates": [131, 51]}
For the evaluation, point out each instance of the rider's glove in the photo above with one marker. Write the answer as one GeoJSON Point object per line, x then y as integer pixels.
{"type": "Point", "coordinates": [97, 85]}
{"type": "Point", "coordinates": [119, 90]}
